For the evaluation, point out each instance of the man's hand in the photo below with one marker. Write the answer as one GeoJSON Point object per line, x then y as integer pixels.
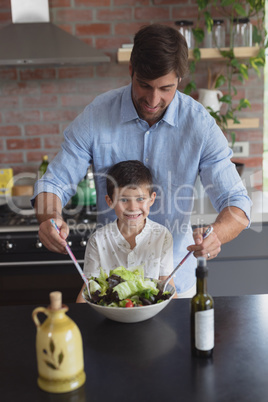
{"type": "Point", "coordinates": [229, 223]}
{"type": "Point", "coordinates": [52, 240]}
{"type": "Point", "coordinates": [209, 247]}
{"type": "Point", "coordinates": [48, 206]}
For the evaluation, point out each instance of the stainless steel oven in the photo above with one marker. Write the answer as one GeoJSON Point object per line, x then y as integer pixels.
{"type": "Point", "coordinates": [28, 271]}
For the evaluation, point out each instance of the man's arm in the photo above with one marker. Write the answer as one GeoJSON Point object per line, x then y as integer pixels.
{"type": "Point", "coordinates": [228, 224]}
{"type": "Point", "coordinates": [47, 206]}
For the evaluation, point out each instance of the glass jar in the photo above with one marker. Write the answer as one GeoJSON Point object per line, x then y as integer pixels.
{"type": "Point", "coordinates": [185, 28]}
{"type": "Point", "coordinates": [242, 32]}
{"type": "Point", "coordinates": [215, 38]}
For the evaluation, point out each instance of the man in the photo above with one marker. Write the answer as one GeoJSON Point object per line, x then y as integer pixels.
{"type": "Point", "coordinates": [173, 135]}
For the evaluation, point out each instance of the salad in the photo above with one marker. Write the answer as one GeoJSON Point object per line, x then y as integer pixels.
{"type": "Point", "coordinates": [124, 288]}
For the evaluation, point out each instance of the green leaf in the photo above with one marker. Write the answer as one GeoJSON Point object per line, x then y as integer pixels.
{"type": "Point", "coordinates": [220, 81]}
{"type": "Point", "coordinates": [256, 35]}
{"type": "Point", "coordinates": [243, 103]}
{"type": "Point", "coordinates": [229, 54]}
{"type": "Point", "coordinates": [198, 34]}
{"type": "Point", "coordinates": [60, 357]}
{"type": "Point", "coordinates": [239, 9]}
{"type": "Point", "coordinates": [51, 346]}
{"type": "Point", "coordinates": [51, 365]}
{"type": "Point", "coordinates": [232, 135]}
{"type": "Point", "coordinates": [226, 99]}
{"type": "Point", "coordinates": [192, 67]}
{"type": "Point", "coordinates": [197, 54]}
{"type": "Point", "coordinates": [225, 3]}
{"type": "Point", "coordinates": [189, 88]}
{"type": "Point", "coordinates": [208, 21]}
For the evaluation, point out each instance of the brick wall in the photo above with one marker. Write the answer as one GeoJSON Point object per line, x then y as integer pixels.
{"type": "Point", "coordinates": [36, 104]}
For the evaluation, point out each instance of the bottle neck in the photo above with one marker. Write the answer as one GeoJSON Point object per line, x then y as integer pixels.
{"type": "Point", "coordinates": [201, 285]}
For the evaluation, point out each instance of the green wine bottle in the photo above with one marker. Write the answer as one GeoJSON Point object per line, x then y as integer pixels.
{"type": "Point", "coordinates": [43, 167]}
{"type": "Point", "coordinates": [202, 314]}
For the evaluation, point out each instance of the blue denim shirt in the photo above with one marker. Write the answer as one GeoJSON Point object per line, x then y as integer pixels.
{"type": "Point", "coordinates": [184, 143]}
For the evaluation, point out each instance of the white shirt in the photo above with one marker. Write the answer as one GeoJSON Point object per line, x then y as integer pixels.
{"type": "Point", "coordinates": [107, 248]}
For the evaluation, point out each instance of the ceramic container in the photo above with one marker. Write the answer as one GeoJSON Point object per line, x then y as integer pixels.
{"type": "Point", "coordinates": [59, 349]}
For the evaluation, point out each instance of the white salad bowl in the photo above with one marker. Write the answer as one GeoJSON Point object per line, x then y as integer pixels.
{"type": "Point", "coordinates": [131, 314]}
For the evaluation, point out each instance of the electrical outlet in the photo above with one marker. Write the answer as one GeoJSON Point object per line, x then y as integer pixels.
{"type": "Point", "coordinates": [240, 148]}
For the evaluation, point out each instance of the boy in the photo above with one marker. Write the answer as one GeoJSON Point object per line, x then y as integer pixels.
{"type": "Point", "coordinates": [132, 239]}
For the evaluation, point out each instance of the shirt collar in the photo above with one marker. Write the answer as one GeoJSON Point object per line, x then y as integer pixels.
{"type": "Point", "coordinates": [128, 111]}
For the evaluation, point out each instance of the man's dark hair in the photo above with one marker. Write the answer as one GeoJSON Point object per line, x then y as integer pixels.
{"type": "Point", "coordinates": [131, 174]}
{"type": "Point", "coordinates": [157, 51]}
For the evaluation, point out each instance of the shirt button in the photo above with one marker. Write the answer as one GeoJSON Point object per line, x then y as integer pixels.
{"type": "Point", "coordinates": [147, 132]}
{"type": "Point", "coordinates": [146, 159]}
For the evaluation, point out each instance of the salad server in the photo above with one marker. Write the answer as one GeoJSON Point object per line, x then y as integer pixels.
{"type": "Point", "coordinates": [69, 251]}
{"type": "Point", "coordinates": [163, 284]}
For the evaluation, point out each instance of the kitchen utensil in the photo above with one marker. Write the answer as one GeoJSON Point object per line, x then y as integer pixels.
{"type": "Point", "coordinates": [163, 284]}
{"type": "Point", "coordinates": [69, 251]}
{"type": "Point", "coordinates": [130, 315]}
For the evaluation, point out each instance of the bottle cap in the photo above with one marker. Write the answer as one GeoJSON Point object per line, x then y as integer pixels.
{"type": "Point", "coordinates": [45, 158]}
{"type": "Point", "coordinates": [202, 269]}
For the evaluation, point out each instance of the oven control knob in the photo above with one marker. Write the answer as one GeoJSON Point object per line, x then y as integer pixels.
{"type": "Point", "coordinates": [69, 243]}
{"type": "Point", "coordinates": [83, 243]}
{"type": "Point", "coordinates": [9, 246]}
{"type": "Point", "coordinates": [38, 244]}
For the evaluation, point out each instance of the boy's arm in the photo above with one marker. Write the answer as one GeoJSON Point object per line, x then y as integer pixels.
{"type": "Point", "coordinates": [80, 298]}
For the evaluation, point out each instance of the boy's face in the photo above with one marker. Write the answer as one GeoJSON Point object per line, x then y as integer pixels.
{"type": "Point", "coordinates": [131, 205]}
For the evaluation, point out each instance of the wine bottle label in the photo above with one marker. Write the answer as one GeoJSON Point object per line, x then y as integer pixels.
{"type": "Point", "coordinates": [204, 329]}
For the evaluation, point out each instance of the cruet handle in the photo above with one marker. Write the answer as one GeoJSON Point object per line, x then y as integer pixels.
{"type": "Point", "coordinates": [35, 317]}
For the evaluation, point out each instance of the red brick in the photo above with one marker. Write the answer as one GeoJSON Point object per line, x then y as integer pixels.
{"type": "Point", "coordinates": [109, 43]}
{"type": "Point", "coordinates": [256, 148]}
{"type": "Point", "coordinates": [20, 88]}
{"type": "Point", "coordinates": [8, 102]}
{"type": "Point", "coordinates": [131, 3]}
{"type": "Point", "coordinates": [114, 15]}
{"type": "Point", "coordinates": [76, 72]}
{"type": "Point", "coordinates": [8, 73]}
{"type": "Point", "coordinates": [37, 74]}
{"type": "Point", "coordinates": [11, 157]}
{"type": "Point", "coordinates": [42, 129]}
{"type": "Point", "coordinates": [73, 15]}
{"type": "Point", "coordinates": [5, 4]}
{"type": "Point", "coordinates": [254, 135]}
{"type": "Point", "coordinates": [53, 142]}
{"type": "Point", "coordinates": [58, 87]}
{"type": "Point", "coordinates": [102, 84]}
{"type": "Point", "coordinates": [127, 29]}
{"type": "Point", "coordinates": [112, 70]}
{"type": "Point", "coordinates": [59, 115]}
{"type": "Point", "coordinates": [151, 13]}
{"type": "Point", "coordinates": [32, 143]}
{"type": "Point", "coordinates": [92, 3]}
{"type": "Point", "coordinates": [22, 116]}
{"type": "Point", "coordinates": [9, 131]}
{"type": "Point", "coordinates": [37, 156]}
{"type": "Point", "coordinates": [92, 29]}
{"type": "Point", "coordinates": [1, 145]}
{"type": "Point", "coordinates": [5, 16]}
{"type": "Point", "coordinates": [76, 100]}
{"type": "Point", "coordinates": [251, 162]}
{"type": "Point", "coordinates": [184, 13]}
{"type": "Point", "coordinates": [40, 101]}
{"type": "Point", "coordinates": [169, 2]}
{"type": "Point", "coordinates": [59, 3]}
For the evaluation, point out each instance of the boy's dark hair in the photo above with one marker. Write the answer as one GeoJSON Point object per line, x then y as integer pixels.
{"type": "Point", "coordinates": [157, 51]}
{"type": "Point", "coordinates": [130, 173]}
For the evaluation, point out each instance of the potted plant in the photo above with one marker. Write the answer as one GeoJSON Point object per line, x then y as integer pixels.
{"type": "Point", "coordinates": [234, 68]}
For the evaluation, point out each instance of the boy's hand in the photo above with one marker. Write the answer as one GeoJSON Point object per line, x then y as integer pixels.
{"type": "Point", "coordinates": [208, 248]}
{"type": "Point", "coordinates": [52, 240]}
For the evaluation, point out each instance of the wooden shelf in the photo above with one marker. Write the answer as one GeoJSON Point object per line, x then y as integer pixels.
{"type": "Point", "coordinates": [123, 54]}
{"type": "Point", "coordinates": [245, 123]}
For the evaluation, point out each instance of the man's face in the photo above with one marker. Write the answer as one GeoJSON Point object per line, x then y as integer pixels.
{"type": "Point", "coordinates": [151, 98]}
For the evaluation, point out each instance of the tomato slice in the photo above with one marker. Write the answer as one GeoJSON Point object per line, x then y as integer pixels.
{"type": "Point", "coordinates": [129, 303]}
